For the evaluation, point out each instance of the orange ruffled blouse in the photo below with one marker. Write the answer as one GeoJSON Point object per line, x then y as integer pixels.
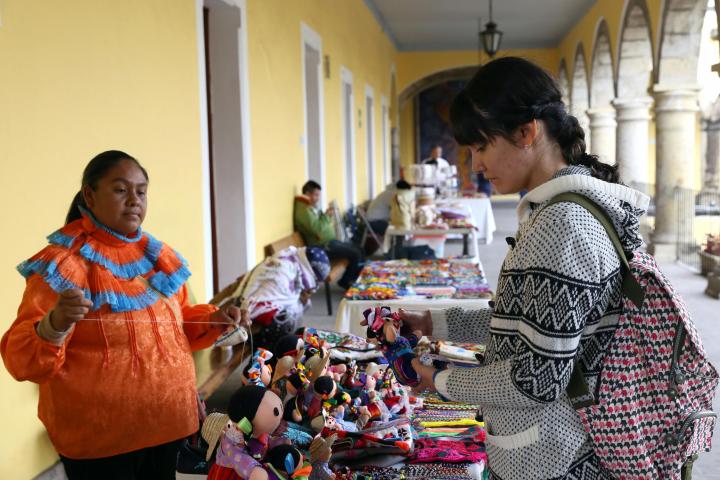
{"type": "Point", "coordinates": [124, 378]}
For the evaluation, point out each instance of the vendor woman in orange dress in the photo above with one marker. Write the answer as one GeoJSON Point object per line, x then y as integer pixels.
{"type": "Point", "coordinates": [106, 329]}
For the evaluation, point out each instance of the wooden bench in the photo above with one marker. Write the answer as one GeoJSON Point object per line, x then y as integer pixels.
{"type": "Point", "coordinates": [337, 266]}
{"type": "Point", "coordinates": [222, 370]}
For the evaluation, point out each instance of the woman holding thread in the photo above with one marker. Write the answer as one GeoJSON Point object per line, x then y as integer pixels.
{"type": "Point", "coordinates": [106, 329]}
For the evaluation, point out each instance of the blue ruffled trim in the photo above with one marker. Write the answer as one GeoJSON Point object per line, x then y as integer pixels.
{"type": "Point", "coordinates": [153, 247]}
{"type": "Point", "coordinates": [169, 284]}
{"type": "Point", "coordinates": [126, 270]}
{"type": "Point", "coordinates": [137, 238]}
{"type": "Point", "coordinates": [49, 272]}
{"type": "Point", "coordinates": [118, 302]}
{"type": "Point", "coordinates": [59, 238]}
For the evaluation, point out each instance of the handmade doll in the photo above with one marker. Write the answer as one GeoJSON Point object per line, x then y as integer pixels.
{"type": "Point", "coordinates": [289, 379]}
{"type": "Point", "coordinates": [384, 326]}
{"type": "Point", "coordinates": [289, 346]}
{"type": "Point", "coordinates": [320, 453]}
{"type": "Point", "coordinates": [285, 462]}
{"type": "Point", "coordinates": [253, 414]}
{"type": "Point", "coordinates": [329, 395]}
{"type": "Point", "coordinates": [258, 371]}
{"type": "Point", "coordinates": [316, 365]}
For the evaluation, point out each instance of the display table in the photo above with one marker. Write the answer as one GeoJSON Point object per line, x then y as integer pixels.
{"type": "Point", "coordinates": [394, 237]}
{"type": "Point", "coordinates": [482, 215]}
{"type": "Point", "coordinates": [413, 285]}
{"type": "Point", "coordinates": [350, 311]}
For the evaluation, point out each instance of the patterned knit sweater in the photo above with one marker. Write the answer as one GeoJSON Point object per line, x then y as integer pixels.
{"type": "Point", "coordinates": [558, 301]}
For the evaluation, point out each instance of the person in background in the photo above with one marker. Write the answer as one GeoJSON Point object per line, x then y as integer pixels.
{"type": "Point", "coordinates": [378, 213]}
{"type": "Point", "coordinates": [106, 329]}
{"type": "Point", "coordinates": [436, 159]}
{"type": "Point", "coordinates": [316, 228]}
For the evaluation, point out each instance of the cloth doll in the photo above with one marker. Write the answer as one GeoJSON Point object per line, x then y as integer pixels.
{"type": "Point", "coordinates": [320, 453]}
{"type": "Point", "coordinates": [253, 414]}
{"type": "Point", "coordinates": [384, 326]}
{"type": "Point", "coordinates": [285, 462]}
{"type": "Point", "coordinates": [258, 371]}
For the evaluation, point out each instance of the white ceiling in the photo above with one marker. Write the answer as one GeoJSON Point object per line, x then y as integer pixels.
{"type": "Point", "coordinates": [453, 24]}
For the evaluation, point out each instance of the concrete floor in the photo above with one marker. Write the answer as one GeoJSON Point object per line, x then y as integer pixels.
{"type": "Point", "coordinates": [690, 285]}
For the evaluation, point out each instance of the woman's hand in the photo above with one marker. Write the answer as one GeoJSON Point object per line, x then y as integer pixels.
{"type": "Point", "coordinates": [426, 375]}
{"type": "Point", "coordinates": [416, 320]}
{"type": "Point", "coordinates": [229, 314]}
{"type": "Point", "coordinates": [71, 307]}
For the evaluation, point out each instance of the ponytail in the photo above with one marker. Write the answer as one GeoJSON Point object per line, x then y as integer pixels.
{"type": "Point", "coordinates": [570, 136]}
{"type": "Point", "coordinates": [74, 211]}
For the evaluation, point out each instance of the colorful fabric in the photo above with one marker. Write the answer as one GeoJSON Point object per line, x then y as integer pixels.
{"type": "Point", "coordinates": [315, 227]}
{"type": "Point", "coordinates": [440, 278]}
{"type": "Point", "coordinates": [122, 357]}
{"type": "Point", "coordinates": [320, 262]}
{"type": "Point", "coordinates": [429, 450]}
{"type": "Point", "coordinates": [126, 273]}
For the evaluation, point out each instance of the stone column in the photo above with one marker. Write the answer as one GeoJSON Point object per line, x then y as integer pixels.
{"type": "Point", "coordinates": [711, 176]}
{"type": "Point", "coordinates": [675, 116]}
{"type": "Point", "coordinates": [633, 122]}
{"type": "Point", "coordinates": [602, 132]}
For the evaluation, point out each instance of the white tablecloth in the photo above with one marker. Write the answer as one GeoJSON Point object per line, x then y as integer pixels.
{"type": "Point", "coordinates": [350, 312]}
{"type": "Point", "coordinates": [434, 237]}
{"type": "Point", "coordinates": [482, 215]}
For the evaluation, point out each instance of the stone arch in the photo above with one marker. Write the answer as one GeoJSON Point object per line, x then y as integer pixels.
{"type": "Point", "coordinates": [457, 73]}
{"type": "Point", "coordinates": [579, 94]}
{"type": "Point", "coordinates": [680, 37]}
{"type": "Point", "coordinates": [602, 92]}
{"type": "Point", "coordinates": [635, 52]}
{"type": "Point", "coordinates": [563, 82]}
{"type": "Point", "coordinates": [602, 85]}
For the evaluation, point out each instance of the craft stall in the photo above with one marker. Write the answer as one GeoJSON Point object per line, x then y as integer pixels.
{"type": "Point", "coordinates": [327, 405]}
{"type": "Point", "coordinates": [413, 285]}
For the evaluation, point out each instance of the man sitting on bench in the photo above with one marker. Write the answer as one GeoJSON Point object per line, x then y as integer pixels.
{"type": "Point", "coordinates": [317, 230]}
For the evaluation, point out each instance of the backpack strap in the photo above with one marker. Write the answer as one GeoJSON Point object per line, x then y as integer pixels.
{"type": "Point", "coordinates": [577, 390]}
{"type": "Point", "coordinates": [630, 286]}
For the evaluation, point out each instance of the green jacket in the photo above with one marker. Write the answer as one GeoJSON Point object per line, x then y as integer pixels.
{"type": "Point", "coordinates": [315, 227]}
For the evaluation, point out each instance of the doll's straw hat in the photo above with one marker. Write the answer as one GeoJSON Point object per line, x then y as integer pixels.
{"type": "Point", "coordinates": [211, 430]}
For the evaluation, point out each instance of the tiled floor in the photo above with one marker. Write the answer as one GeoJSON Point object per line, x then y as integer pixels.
{"type": "Point", "coordinates": [690, 285]}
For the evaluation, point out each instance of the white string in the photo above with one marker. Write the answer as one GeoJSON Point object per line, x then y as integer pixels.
{"type": "Point", "coordinates": [151, 321]}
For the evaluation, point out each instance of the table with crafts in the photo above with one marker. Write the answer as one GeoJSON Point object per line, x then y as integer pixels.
{"type": "Point", "coordinates": [481, 214]}
{"type": "Point", "coordinates": [413, 285]}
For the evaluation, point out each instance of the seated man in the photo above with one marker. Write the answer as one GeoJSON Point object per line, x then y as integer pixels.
{"type": "Point", "coordinates": [317, 230]}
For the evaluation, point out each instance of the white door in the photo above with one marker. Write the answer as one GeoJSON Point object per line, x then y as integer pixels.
{"type": "Point", "coordinates": [313, 138]}
{"type": "Point", "coordinates": [370, 140]}
{"type": "Point", "coordinates": [348, 136]}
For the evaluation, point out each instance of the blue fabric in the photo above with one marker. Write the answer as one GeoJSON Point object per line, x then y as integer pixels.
{"type": "Point", "coordinates": [319, 262]}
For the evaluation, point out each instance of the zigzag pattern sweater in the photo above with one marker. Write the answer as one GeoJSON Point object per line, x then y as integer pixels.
{"type": "Point", "coordinates": [558, 301]}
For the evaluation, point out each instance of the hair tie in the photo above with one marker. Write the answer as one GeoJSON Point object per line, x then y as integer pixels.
{"type": "Point", "coordinates": [245, 426]}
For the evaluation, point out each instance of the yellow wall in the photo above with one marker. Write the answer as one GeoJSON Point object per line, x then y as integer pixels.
{"type": "Point", "coordinates": [78, 79]}
{"type": "Point", "coordinates": [276, 100]}
{"type": "Point", "coordinates": [414, 66]}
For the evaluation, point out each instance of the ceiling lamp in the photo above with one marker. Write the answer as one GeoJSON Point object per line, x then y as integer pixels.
{"type": "Point", "coordinates": [491, 37]}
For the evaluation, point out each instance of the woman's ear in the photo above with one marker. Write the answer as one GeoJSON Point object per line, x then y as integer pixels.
{"type": "Point", "coordinates": [89, 196]}
{"type": "Point", "coordinates": [526, 134]}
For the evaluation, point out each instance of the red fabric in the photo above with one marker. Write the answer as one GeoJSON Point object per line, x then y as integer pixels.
{"type": "Point", "coordinates": [222, 473]}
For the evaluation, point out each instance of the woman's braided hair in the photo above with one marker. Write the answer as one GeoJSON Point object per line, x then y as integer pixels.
{"type": "Point", "coordinates": [511, 91]}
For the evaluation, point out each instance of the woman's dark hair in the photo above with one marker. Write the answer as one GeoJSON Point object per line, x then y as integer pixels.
{"type": "Point", "coordinates": [403, 185]}
{"type": "Point", "coordinates": [93, 173]}
{"type": "Point", "coordinates": [511, 91]}
{"type": "Point", "coordinates": [245, 402]}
